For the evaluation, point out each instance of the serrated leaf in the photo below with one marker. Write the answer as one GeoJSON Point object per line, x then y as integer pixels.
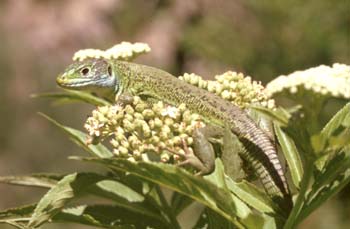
{"type": "Point", "coordinates": [333, 177]}
{"type": "Point", "coordinates": [335, 166]}
{"type": "Point", "coordinates": [74, 96]}
{"type": "Point", "coordinates": [107, 216]}
{"type": "Point", "coordinates": [319, 142]}
{"type": "Point", "coordinates": [253, 196]}
{"type": "Point", "coordinates": [122, 195]}
{"type": "Point", "coordinates": [337, 120]}
{"type": "Point", "coordinates": [59, 195]}
{"type": "Point", "coordinates": [79, 138]}
{"type": "Point", "coordinates": [178, 180]}
{"type": "Point", "coordinates": [325, 193]}
{"type": "Point", "coordinates": [125, 197]}
{"type": "Point", "coordinates": [244, 193]}
{"type": "Point", "coordinates": [218, 178]}
{"type": "Point", "coordinates": [210, 219]}
{"type": "Point", "coordinates": [291, 154]}
{"type": "Point", "coordinates": [75, 185]}
{"type": "Point", "coordinates": [104, 216]}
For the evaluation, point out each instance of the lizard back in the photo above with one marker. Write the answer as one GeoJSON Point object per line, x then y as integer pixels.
{"type": "Point", "coordinates": [261, 153]}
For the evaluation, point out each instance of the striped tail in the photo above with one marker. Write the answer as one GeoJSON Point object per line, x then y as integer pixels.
{"type": "Point", "coordinates": [261, 155]}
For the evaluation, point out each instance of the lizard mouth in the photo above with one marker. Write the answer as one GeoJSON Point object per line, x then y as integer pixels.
{"type": "Point", "coordinates": [78, 83]}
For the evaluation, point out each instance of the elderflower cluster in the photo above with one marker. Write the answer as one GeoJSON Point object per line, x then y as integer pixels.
{"type": "Point", "coordinates": [123, 51]}
{"type": "Point", "coordinates": [324, 80]}
{"type": "Point", "coordinates": [234, 87]}
{"type": "Point", "coordinates": [141, 131]}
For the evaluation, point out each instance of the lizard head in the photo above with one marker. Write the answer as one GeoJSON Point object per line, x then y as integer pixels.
{"type": "Point", "coordinates": [93, 75]}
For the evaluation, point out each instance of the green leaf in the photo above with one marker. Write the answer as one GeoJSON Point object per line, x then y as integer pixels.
{"type": "Point", "coordinates": [74, 96]}
{"type": "Point", "coordinates": [59, 195]}
{"type": "Point", "coordinates": [180, 181]}
{"type": "Point", "coordinates": [270, 222]}
{"type": "Point", "coordinates": [333, 177]}
{"type": "Point", "coordinates": [340, 119]}
{"type": "Point", "coordinates": [125, 197]}
{"type": "Point", "coordinates": [326, 193]}
{"type": "Point", "coordinates": [210, 219]}
{"type": "Point", "coordinates": [337, 165]}
{"type": "Point", "coordinates": [253, 196]}
{"type": "Point", "coordinates": [291, 154]}
{"type": "Point", "coordinates": [79, 138]}
{"type": "Point", "coordinates": [23, 212]}
{"type": "Point", "coordinates": [179, 202]}
{"type": "Point", "coordinates": [246, 193]}
{"type": "Point", "coordinates": [278, 115]}
{"type": "Point", "coordinates": [122, 195]}
{"type": "Point", "coordinates": [75, 185]}
{"type": "Point", "coordinates": [294, 109]}
{"type": "Point", "coordinates": [340, 140]}
{"type": "Point", "coordinates": [19, 225]}
{"type": "Point", "coordinates": [120, 190]}
{"type": "Point", "coordinates": [35, 180]}
{"type": "Point", "coordinates": [218, 177]}
{"type": "Point", "coordinates": [17, 217]}
{"type": "Point", "coordinates": [107, 216]}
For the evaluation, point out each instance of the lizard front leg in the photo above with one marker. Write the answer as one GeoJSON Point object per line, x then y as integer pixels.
{"type": "Point", "coordinates": [203, 148]}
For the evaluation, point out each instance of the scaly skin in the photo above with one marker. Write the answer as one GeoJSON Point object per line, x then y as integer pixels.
{"type": "Point", "coordinates": [111, 77]}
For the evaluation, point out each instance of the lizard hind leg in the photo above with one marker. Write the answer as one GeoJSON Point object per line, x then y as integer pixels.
{"type": "Point", "coordinates": [202, 158]}
{"type": "Point", "coordinates": [203, 148]}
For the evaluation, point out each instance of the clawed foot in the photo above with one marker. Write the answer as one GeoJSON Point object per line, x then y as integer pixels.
{"type": "Point", "coordinates": [189, 158]}
{"type": "Point", "coordinates": [124, 99]}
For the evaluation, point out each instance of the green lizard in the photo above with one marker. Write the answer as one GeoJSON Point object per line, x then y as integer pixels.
{"type": "Point", "coordinates": [110, 78]}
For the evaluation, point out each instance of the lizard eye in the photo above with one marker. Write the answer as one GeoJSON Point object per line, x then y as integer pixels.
{"type": "Point", "coordinates": [109, 69]}
{"type": "Point", "coordinates": [85, 71]}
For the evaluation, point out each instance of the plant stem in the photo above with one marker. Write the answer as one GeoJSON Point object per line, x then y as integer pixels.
{"type": "Point", "coordinates": [291, 221]}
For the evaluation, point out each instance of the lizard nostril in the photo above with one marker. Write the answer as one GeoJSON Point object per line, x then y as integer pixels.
{"type": "Point", "coordinates": [60, 78]}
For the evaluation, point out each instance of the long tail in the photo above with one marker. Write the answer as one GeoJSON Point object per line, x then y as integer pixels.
{"type": "Point", "coordinates": [261, 155]}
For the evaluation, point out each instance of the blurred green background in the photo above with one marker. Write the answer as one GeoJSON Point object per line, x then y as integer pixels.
{"type": "Point", "coordinates": [263, 39]}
